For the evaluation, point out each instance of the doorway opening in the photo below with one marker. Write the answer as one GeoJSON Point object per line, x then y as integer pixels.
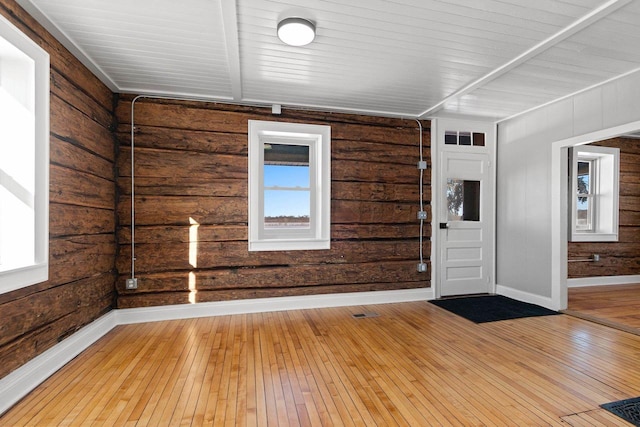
{"type": "Point", "coordinates": [581, 264]}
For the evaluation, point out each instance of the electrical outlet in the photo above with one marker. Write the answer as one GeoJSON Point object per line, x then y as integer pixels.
{"type": "Point", "coordinates": [132, 283]}
{"type": "Point", "coordinates": [422, 267]}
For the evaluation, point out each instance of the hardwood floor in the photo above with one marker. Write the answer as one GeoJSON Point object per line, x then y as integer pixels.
{"type": "Point", "coordinates": [614, 305]}
{"type": "Point", "coordinates": [415, 364]}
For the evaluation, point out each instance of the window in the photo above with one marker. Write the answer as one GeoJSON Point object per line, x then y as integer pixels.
{"type": "Point", "coordinates": [24, 160]}
{"type": "Point", "coordinates": [463, 200]}
{"type": "Point", "coordinates": [594, 193]}
{"type": "Point", "coordinates": [585, 197]}
{"type": "Point", "coordinates": [452, 137]}
{"type": "Point", "coordinates": [289, 186]}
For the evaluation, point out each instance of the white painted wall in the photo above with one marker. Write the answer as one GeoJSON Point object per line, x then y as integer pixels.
{"type": "Point", "coordinates": [531, 211]}
{"type": "Point", "coordinates": [523, 223]}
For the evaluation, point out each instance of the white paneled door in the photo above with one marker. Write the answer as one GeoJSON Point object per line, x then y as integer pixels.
{"type": "Point", "coordinates": [466, 208]}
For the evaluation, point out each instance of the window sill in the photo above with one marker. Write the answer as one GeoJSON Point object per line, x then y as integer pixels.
{"type": "Point", "coordinates": [12, 280]}
{"type": "Point", "coordinates": [289, 245]}
{"type": "Point", "coordinates": [594, 237]}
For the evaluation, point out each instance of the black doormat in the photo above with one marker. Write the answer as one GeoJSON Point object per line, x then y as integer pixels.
{"type": "Point", "coordinates": [628, 409]}
{"type": "Point", "coordinates": [491, 308]}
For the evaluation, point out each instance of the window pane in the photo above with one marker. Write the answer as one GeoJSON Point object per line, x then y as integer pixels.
{"type": "Point", "coordinates": [286, 165]}
{"type": "Point", "coordinates": [463, 200]}
{"type": "Point", "coordinates": [451, 137]}
{"type": "Point", "coordinates": [24, 148]}
{"type": "Point", "coordinates": [286, 209]}
{"type": "Point", "coordinates": [286, 176]}
{"type": "Point", "coordinates": [287, 195]}
{"type": "Point", "coordinates": [454, 199]}
{"type": "Point", "coordinates": [478, 139]}
{"type": "Point", "coordinates": [465, 138]}
{"type": "Point", "coordinates": [17, 164]}
{"type": "Point", "coordinates": [584, 178]}
{"type": "Point", "coordinates": [584, 206]}
{"type": "Point", "coordinates": [286, 154]}
{"type": "Point", "coordinates": [16, 226]}
{"type": "Point", "coordinates": [584, 214]}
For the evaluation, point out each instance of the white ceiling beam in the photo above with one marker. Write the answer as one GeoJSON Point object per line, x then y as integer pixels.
{"type": "Point", "coordinates": [572, 94]}
{"type": "Point", "coordinates": [230, 23]}
{"type": "Point", "coordinates": [578, 25]}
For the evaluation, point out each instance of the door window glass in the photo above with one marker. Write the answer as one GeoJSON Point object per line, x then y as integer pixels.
{"type": "Point", "coordinates": [463, 200]}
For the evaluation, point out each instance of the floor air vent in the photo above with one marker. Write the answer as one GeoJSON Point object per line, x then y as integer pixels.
{"type": "Point", "coordinates": [628, 409]}
{"type": "Point", "coordinates": [365, 315]}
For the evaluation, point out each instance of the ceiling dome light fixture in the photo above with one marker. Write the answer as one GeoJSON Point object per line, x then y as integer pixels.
{"type": "Point", "coordinates": [296, 31]}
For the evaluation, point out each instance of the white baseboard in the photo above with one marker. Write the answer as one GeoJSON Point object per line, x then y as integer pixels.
{"type": "Point", "coordinates": [525, 296]}
{"type": "Point", "coordinates": [602, 280]}
{"type": "Point", "coordinates": [20, 382]}
{"type": "Point", "coordinates": [23, 380]}
{"type": "Point", "coordinates": [262, 305]}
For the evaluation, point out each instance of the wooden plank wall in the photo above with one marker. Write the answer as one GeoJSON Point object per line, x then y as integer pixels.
{"type": "Point", "coordinates": [191, 166]}
{"type": "Point", "coordinates": [82, 203]}
{"type": "Point", "coordinates": [623, 257]}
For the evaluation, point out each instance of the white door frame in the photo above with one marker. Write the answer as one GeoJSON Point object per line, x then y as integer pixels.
{"type": "Point", "coordinates": [559, 209]}
{"type": "Point", "coordinates": [436, 186]}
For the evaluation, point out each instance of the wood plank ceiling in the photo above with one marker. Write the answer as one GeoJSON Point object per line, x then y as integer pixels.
{"type": "Point", "coordinates": [408, 58]}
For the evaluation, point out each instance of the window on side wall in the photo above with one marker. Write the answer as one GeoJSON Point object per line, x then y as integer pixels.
{"type": "Point", "coordinates": [594, 190]}
{"type": "Point", "coordinates": [24, 160]}
{"type": "Point", "coordinates": [289, 186]}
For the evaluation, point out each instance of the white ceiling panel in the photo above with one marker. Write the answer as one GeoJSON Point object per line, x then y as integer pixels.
{"type": "Point", "coordinates": [601, 51]}
{"type": "Point", "coordinates": [386, 56]}
{"type": "Point", "coordinates": [149, 45]}
{"type": "Point", "coordinates": [410, 58]}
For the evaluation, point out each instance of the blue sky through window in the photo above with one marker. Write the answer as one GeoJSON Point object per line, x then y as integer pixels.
{"type": "Point", "coordinates": [283, 202]}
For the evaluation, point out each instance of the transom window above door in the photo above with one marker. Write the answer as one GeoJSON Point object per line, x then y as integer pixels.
{"type": "Point", "coordinates": [464, 138]}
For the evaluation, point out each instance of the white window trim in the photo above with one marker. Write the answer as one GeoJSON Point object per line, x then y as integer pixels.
{"type": "Point", "coordinates": [38, 271]}
{"type": "Point", "coordinates": [318, 137]}
{"type": "Point", "coordinates": [605, 193]}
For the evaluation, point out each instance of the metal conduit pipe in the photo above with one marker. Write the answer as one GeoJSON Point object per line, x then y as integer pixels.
{"type": "Point", "coordinates": [133, 128]}
{"type": "Point", "coordinates": [133, 189]}
{"type": "Point", "coordinates": [421, 167]}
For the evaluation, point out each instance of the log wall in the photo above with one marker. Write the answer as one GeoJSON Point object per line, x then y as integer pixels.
{"type": "Point", "coordinates": [191, 165]}
{"type": "Point", "coordinates": [82, 203]}
{"type": "Point", "coordinates": [623, 257]}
